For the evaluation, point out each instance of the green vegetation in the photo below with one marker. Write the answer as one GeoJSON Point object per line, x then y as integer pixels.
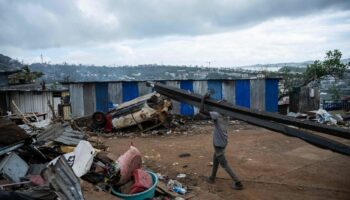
{"type": "Point", "coordinates": [334, 91]}
{"type": "Point", "coordinates": [24, 76]}
{"type": "Point", "coordinates": [331, 66]}
{"type": "Point", "coordinates": [315, 72]}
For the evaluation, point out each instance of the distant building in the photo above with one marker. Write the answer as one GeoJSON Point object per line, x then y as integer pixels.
{"type": "Point", "coordinates": [335, 93]}
{"type": "Point", "coordinates": [342, 86]}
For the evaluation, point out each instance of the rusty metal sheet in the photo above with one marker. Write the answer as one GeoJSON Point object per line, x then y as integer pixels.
{"type": "Point", "coordinates": [63, 180]}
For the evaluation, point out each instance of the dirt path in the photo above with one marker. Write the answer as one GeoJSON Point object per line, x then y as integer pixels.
{"type": "Point", "coordinates": [271, 165]}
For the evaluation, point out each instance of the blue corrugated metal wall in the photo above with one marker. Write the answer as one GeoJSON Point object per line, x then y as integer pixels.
{"type": "Point", "coordinates": [216, 89]}
{"type": "Point", "coordinates": [101, 91]}
{"type": "Point", "coordinates": [125, 91]}
{"type": "Point", "coordinates": [130, 91]}
{"type": "Point", "coordinates": [271, 95]}
{"type": "Point", "coordinates": [243, 93]}
{"type": "Point", "coordinates": [185, 108]}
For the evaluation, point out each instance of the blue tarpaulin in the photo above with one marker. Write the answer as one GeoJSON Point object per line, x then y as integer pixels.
{"type": "Point", "coordinates": [130, 91]}
{"type": "Point", "coordinates": [186, 109]}
{"type": "Point", "coordinates": [101, 91]}
{"type": "Point", "coordinates": [243, 93]}
{"type": "Point", "coordinates": [215, 88]}
{"type": "Point", "coordinates": [271, 95]}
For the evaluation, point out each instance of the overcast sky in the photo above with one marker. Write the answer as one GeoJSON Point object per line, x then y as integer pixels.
{"type": "Point", "coordinates": [226, 33]}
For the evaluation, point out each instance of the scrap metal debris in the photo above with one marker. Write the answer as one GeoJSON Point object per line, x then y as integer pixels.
{"type": "Point", "coordinates": [48, 160]}
{"type": "Point", "coordinates": [80, 160]}
{"type": "Point", "coordinates": [24, 160]}
{"type": "Point", "coordinates": [324, 117]}
{"type": "Point", "coordinates": [61, 177]}
{"type": "Point", "coordinates": [13, 168]}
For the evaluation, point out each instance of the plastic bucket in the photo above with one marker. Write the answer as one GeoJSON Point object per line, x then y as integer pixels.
{"type": "Point", "coordinates": [149, 193]}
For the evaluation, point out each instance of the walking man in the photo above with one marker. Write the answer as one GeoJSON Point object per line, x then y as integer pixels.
{"type": "Point", "coordinates": [220, 142]}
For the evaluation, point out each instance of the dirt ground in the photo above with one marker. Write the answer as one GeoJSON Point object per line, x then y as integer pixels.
{"type": "Point", "coordinates": [271, 165]}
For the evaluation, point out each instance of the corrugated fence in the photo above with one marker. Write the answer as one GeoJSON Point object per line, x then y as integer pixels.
{"type": "Point", "coordinates": [30, 102]}
{"type": "Point", "coordinates": [260, 94]}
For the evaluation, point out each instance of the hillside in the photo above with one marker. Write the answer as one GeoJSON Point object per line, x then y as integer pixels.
{"type": "Point", "coordinates": [8, 64]}
{"type": "Point", "coordinates": [74, 73]}
{"type": "Point", "coordinates": [82, 73]}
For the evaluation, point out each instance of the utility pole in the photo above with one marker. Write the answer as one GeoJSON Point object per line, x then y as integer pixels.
{"type": "Point", "coordinates": [42, 60]}
{"type": "Point", "coordinates": [209, 62]}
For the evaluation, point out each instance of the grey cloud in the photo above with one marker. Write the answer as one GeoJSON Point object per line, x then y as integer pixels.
{"type": "Point", "coordinates": [44, 24]}
{"type": "Point", "coordinates": [41, 24]}
{"type": "Point", "coordinates": [198, 17]}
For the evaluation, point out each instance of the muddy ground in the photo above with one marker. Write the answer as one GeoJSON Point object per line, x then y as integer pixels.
{"type": "Point", "coordinates": [271, 165]}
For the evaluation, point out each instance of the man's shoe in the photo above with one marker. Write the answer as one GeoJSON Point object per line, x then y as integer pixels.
{"type": "Point", "coordinates": [238, 186]}
{"type": "Point", "coordinates": [210, 179]}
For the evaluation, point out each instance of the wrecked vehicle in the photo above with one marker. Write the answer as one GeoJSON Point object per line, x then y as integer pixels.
{"type": "Point", "coordinates": [145, 112]}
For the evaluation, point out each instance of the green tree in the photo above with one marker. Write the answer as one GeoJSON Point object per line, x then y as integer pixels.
{"type": "Point", "coordinates": [24, 76]}
{"type": "Point", "coordinates": [331, 66]}
{"type": "Point", "coordinates": [335, 92]}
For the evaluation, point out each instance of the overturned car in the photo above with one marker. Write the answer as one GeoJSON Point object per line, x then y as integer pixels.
{"type": "Point", "coordinates": [146, 112]}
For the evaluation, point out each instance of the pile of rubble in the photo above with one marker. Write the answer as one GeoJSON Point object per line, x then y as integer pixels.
{"type": "Point", "coordinates": [32, 164]}
{"type": "Point", "coordinates": [324, 117]}
{"type": "Point", "coordinates": [48, 159]}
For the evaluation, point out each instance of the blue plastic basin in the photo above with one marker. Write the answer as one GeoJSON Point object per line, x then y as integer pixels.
{"type": "Point", "coordinates": [149, 193]}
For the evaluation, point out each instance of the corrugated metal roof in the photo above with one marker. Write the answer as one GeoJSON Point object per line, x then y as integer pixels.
{"type": "Point", "coordinates": [166, 80]}
{"type": "Point", "coordinates": [35, 87]}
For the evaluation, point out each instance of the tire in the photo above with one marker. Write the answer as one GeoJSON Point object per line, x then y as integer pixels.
{"type": "Point", "coordinates": [99, 119]}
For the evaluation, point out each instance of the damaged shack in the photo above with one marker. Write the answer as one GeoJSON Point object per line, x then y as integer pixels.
{"type": "Point", "coordinates": [34, 98]}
